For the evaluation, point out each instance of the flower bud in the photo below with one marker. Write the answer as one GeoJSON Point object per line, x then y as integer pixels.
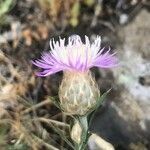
{"type": "Point", "coordinates": [76, 133]}
{"type": "Point", "coordinates": [78, 93]}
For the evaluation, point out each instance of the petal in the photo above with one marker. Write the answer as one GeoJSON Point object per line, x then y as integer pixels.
{"type": "Point", "coordinates": [76, 55]}
{"type": "Point", "coordinates": [40, 64]}
{"type": "Point", "coordinates": [106, 62]}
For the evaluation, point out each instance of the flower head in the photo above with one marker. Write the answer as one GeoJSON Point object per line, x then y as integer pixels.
{"type": "Point", "coordinates": [74, 56]}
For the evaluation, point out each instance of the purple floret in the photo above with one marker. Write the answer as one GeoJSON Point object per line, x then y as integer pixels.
{"type": "Point", "coordinates": [75, 56]}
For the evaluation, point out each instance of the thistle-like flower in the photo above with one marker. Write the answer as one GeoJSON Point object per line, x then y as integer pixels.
{"type": "Point", "coordinates": [78, 91]}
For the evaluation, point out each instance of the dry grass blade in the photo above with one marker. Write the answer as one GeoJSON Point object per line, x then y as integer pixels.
{"type": "Point", "coordinates": [61, 134]}
{"type": "Point", "coordinates": [43, 103]}
{"type": "Point", "coordinates": [50, 147]}
{"type": "Point", "coordinates": [48, 121]}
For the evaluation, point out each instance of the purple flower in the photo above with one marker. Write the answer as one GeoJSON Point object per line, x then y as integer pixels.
{"type": "Point", "coordinates": [74, 56]}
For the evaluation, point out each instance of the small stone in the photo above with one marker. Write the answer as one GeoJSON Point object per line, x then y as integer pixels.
{"type": "Point", "coordinates": [123, 19]}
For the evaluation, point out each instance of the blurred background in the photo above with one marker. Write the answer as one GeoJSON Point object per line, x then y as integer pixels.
{"type": "Point", "coordinates": [26, 27]}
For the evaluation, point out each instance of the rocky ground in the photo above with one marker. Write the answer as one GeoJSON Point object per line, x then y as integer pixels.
{"type": "Point", "coordinates": [124, 119]}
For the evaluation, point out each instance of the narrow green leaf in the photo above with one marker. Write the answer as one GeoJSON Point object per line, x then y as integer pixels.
{"type": "Point", "coordinates": [55, 101]}
{"type": "Point", "coordinates": [99, 102]}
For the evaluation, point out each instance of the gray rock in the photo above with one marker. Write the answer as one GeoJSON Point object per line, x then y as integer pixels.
{"type": "Point", "coordinates": [124, 119]}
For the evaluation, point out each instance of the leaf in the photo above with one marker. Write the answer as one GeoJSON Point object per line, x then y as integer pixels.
{"type": "Point", "coordinates": [55, 101]}
{"type": "Point", "coordinates": [89, 2]}
{"type": "Point", "coordinates": [5, 6]}
{"type": "Point", "coordinates": [94, 110]}
{"type": "Point", "coordinates": [75, 11]}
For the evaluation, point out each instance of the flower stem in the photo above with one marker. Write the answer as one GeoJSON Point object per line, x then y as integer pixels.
{"type": "Point", "coordinates": [84, 136]}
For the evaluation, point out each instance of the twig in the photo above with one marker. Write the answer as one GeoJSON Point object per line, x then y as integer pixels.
{"type": "Point", "coordinates": [135, 10]}
{"type": "Point", "coordinates": [107, 24]}
{"type": "Point", "coordinates": [56, 116]}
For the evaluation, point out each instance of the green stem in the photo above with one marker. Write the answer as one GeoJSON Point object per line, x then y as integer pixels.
{"type": "Point", "coordinates": [84, 136]}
